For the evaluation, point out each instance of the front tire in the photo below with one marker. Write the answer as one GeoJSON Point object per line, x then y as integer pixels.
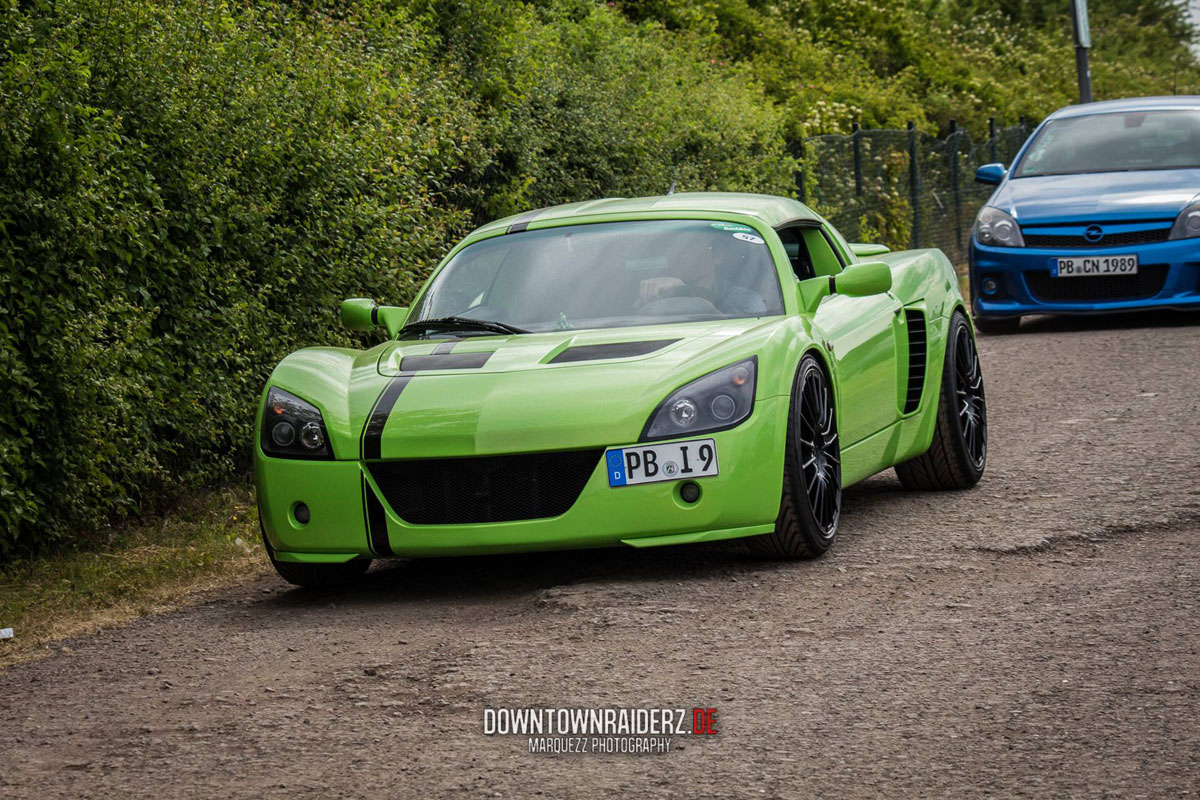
{"type": "Point", "coordinates": [958, 454]}
{"type": "Point", "coordinates": [315, 576]}
{"type": "Point", "coordinates": [811, 500]}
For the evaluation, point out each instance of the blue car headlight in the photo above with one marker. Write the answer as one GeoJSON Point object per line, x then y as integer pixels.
{"type": "Point", "coordinates": [714, 402]}
{"type": "Point", "coordinates": [995, 228]}
{"type": "Point", "coordinates": [293, 428]}
{"type": "Point", "coordinates": [1187, 224]}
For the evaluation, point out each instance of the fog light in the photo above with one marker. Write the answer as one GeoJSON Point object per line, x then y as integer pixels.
{"type": "Point", "coordinates": [990, 286]}
{"type": "Point", "coordinates": [689, 492]}
{"type": "Point", "coordinates": [301, 513]}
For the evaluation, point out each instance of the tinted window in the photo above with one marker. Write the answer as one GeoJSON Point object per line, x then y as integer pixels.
{"type": "Point", "coordinates": [1115, 143]}
{"type": "Point", "coordinates": [609, 275]}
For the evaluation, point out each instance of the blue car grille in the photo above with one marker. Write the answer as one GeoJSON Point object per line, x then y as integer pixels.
{"type": "Point", "coordinates": [1109, 240]}
{"type": "Point", "coordinates": [1146, 283]}
{"type": "Point", "coordinates": [463, 491]}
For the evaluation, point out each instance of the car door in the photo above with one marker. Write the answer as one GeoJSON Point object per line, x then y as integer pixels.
{"type": "Point", "coordinates": [864, 335]}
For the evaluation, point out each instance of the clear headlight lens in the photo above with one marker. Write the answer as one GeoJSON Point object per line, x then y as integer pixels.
{"type": "Point", "coordinates": [293, 428]}
{"type": "Point", "coordinates": [714, 402]}
{"type": "Point", "coordinates": [995, 228]}
{"type": "Point", "coordinates": [1187, 224]}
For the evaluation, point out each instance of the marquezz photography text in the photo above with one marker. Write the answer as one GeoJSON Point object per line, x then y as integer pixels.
{"type": "Point", "coordinates": [646, 731]}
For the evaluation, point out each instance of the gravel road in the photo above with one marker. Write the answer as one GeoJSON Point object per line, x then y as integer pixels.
{"type": "Point", "coordinates": [1036, 636]}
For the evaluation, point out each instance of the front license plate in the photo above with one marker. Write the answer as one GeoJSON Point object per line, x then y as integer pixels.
{"type": "Point", "coordinates": [629, 466]}
{"type": "Point", "coordinates": [1077, 266]}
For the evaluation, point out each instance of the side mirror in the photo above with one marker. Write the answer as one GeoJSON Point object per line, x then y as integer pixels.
{"type": "Point", "coordinates": [360, 314]}
{"type": "Point", "coordinates": [991, 173]}
{"type": "Point", "coordinates": [364, 314]}
{"type": "Point", "coordinates": [862, 279]}
{"type": "Point", "coordinates": [857, 280]}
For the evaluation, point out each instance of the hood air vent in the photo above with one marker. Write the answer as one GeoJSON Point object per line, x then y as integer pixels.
{"type": "Point", "coordinates": [596, 352]}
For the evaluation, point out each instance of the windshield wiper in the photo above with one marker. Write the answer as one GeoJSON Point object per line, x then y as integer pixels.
{"type": "Point", "coordinates": [458, 323]}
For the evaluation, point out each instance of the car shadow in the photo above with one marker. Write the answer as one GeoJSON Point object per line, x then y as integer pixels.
{"type": "Point", "coordinates": [513, 576]}
{"type": "Point", "coordinates": [1108, 322]}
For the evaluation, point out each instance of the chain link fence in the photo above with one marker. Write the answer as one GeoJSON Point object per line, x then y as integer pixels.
{"type": "Point", "coordinates": [904, 188]}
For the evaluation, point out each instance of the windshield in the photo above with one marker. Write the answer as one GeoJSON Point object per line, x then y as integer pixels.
{"type": "Point", "coordinates": [1115, 143]}
{"type": "Point", "coordinates": [609, 275]}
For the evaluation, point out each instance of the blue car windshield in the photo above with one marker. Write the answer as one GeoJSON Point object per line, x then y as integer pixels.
{"type": "Point", "coordinates": [608, 275]}
{"type": "Point", "coordinates": [1115, 142]}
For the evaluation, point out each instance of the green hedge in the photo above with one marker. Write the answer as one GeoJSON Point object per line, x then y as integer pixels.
{"type": "Point", "coordinates": [189, 187]}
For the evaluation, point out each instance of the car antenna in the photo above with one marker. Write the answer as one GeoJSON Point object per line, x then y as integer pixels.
{"type": "Point", "coordinates": [672, 189]}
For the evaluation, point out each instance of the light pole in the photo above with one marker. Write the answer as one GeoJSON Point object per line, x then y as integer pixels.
{"type": "Point", "coordinates": [1083, 40]}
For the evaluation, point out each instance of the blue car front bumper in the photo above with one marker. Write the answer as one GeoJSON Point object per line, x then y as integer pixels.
{"type": "Point", "coordinates": [1168, 277]}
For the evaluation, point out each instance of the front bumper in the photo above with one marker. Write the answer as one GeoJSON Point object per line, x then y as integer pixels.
{"type": "Point", "coordinates": [743, 500]}
{"type": "Point", "coordinates": [1169, 277]}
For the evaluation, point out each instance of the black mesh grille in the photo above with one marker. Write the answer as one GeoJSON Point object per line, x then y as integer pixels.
{"type": "Point", "coordinates": [1092, 288]}
{"type": "Point", "coordinates": [915, 321]}
{"type": "Point", "coordinates": [458, 491]}
{"type": "Point", "coordinates": [1109, 240]}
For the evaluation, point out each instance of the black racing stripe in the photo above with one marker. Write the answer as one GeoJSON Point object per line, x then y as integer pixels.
{"type": "Point", "coordinates": [372, 440]}
{"type": "Point", "coordinates": [445, 347]}
{"type": "Point", "coordinates": [522, 222]}
{"type": "Point", "coordinates": [446, 361]}
{"type": "Point", "coordinates": [593, 352]}
{"type": "Point", "coordinates": [377, 526]}
{"type": "Point", "coordinates": [366, 514]}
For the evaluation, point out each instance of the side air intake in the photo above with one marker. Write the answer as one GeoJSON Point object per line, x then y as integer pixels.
{"type": "Point", "coordinates": [917, 351]}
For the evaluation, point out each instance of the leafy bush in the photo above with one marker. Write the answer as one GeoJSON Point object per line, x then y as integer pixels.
{"type": "Point", "coordinates": [187, 191]}
{"type": "Point", "coordinates": [188, 187]}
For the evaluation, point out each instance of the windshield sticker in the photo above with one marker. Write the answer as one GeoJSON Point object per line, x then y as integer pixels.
{"type": "Point", "coordinates": [731, 226]}
{"type": "Point", "coordinates": [748, 237]}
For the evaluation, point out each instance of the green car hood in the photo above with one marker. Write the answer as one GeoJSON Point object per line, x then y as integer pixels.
{"type": "Point", "coordinates": [547, 391]}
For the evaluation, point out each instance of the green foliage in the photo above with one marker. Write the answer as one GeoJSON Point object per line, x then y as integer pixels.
{"type": "Point", "coordinates": [187, 192]}
{"type": "Point", "coordinates": [189, 187]}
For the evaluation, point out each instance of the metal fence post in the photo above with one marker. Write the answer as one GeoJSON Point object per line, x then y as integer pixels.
{"type": "Point", "coordinates": [993, 141]}
{"type": "Point", "coordinates": [914, 186]}
{"type": "Point", "coordinates": [800, 171]}
{"type": "Point", "coordinates": [856, 139]}
{"type": "Point", "coordinates": [957, 194]}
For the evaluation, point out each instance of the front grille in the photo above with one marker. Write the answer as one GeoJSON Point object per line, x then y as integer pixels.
{"type": "Point", "coordinates": [1109, 239]}
{"type": "Point", "coordinates": [1094, 288]}
{"type": "Point", "coordinates": [460, 491]}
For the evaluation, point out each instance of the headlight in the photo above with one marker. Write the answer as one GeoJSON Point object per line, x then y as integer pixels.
{"type": "Point", "coordinates": [1187, 224]}
{"type": "Point", "coordinates": [995, 228]}
{"type": "Point", "coordinates": [717, 401]}
{"type": "Point", "coordinates": [292, 428]}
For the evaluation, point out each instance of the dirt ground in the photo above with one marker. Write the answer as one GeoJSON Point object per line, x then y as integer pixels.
{"type": "Point", "coordinates": [1036, 636]}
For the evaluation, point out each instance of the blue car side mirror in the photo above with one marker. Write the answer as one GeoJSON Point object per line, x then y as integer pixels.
{"type": "Point", "coordinates": [990, 173]}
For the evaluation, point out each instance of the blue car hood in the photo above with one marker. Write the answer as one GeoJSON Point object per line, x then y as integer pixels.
{"type": "Point", "coordinates": [1099, 197]}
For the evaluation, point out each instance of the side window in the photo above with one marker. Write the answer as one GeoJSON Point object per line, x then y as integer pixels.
{"type": "Point", "coordinates": [797, 252]}
{"type": "Point", "coordinates": [809, 252]}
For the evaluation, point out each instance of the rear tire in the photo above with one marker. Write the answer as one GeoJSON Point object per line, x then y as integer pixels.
{"type": "Point", "coordinates": [958, 455]}
{"type": "Point", "coordinates": [997, 326]}
{"type": "Point", "coordinates": [316, 576]}
{"type": "Point", "coordinates": [811, 500]}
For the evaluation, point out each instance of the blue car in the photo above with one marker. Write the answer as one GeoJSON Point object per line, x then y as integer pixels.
{"type": "Point", "coordinates": [1099, 213]}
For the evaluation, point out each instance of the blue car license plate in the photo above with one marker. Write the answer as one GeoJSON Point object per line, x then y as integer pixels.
{"type": "Point", "coordinates": [1077, 266]}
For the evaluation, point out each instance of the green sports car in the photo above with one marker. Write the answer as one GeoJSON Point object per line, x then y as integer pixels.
{"type": "Point", "coordinates": [638, 372]}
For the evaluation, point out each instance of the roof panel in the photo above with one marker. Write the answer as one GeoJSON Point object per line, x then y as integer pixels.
{"type": "Point", "coordinates": [770, 209]}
